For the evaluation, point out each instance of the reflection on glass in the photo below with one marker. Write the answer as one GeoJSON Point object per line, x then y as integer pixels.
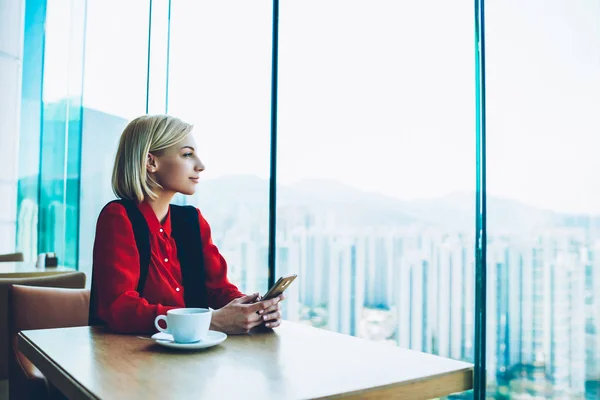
{"type": "Point", "coordinates": [116, 64]}
{"type": "Point", "coordinates": [53, 226]}
{"type": "Point", "coordinates": [219, 80]}
{"type": "Point", "coordinates": [543, 310]}
{"type": "Point", "coordinates": [29, 136]}
{"type": "Point", "coordinates": [376, 170]}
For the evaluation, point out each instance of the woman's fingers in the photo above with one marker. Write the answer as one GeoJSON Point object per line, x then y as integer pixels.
{"type": "Point", "coordinates": [275, 315]}
{"type": "Point", "coordinates": [261, 306]}
{"type": "Point", "coordinates": [251, 325]}
{"type": "Point", "coordinates": [247, 299]}
{"type": "Point", "coordinates": [273, 324]}
{"type": "Point", "coordinates": [271, 309]}
{"type": "Point", "coordinates": [253, 317]}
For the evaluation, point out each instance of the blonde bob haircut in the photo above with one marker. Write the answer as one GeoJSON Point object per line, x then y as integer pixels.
{"type": "Point", "coordinates": [145, 134]}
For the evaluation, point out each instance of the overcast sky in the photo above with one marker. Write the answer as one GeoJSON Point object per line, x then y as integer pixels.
{"type": "Point", "coordinates": [378, 94]}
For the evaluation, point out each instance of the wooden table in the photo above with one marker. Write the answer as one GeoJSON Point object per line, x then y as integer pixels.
{"type": "Point", "coordinates": [293, 361]}
{"type": "Point", "coordinates": [21, 269]}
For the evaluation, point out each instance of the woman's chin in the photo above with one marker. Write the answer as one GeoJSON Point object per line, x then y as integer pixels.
{"type": "Point", "coordinates": [188, 191]}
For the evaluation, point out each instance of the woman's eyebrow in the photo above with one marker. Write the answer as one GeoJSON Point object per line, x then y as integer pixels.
{"type": "Point", "coordinates": [188, 147]}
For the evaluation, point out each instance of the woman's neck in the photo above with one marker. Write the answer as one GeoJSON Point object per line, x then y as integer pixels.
{"type": "Point", "coordinates": [160, 205]}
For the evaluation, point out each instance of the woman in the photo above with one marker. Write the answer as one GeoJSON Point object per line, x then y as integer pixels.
{"type": "Point", "coordinates": [150, 256]}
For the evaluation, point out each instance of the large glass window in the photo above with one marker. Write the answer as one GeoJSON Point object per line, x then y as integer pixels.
{"type": "Point", "coordinates": [48, 200]}
{"type": "Point", "coordinates": [376, 170]}
{"type": "Point", "coordinates": [116, 66]}
{"type": "Point", "coordinates": [375, 161]}
{"type": "Point", "coordinates": [220, 80]}
{"type": "Point", "coordinates": [543, 97]}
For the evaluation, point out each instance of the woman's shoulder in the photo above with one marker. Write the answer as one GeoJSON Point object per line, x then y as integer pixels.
{"type": "Point", "coordinates": [112, 219]}
{"type": "Point", "coordinates": [113, 209]}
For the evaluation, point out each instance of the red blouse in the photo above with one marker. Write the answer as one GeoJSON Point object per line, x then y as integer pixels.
{"type": "Point", "coordinates": [117, 271]}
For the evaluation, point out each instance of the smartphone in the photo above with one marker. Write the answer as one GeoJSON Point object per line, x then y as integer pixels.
{"type": "Point", "coordinates": [279, 287]}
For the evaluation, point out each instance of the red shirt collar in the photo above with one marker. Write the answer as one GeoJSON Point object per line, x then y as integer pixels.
{"type": "Point", "coordinates": [152, 220]}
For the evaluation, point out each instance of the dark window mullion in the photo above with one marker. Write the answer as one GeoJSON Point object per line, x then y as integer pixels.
{"type": "Point", "coordinates": [273, 165]}
{"type": "Point", "coordinates": [481, 207]}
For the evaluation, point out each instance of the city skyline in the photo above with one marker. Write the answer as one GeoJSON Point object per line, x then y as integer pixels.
{"type": "Point", "coordinates": [369, 276]}
{"type": "Point", "coordinates": [543, 311]}
{"type": "Point", "coordinates": [382, 113]}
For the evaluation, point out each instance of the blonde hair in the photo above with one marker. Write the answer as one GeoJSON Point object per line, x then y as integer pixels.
{"type": "Point", "coordinates": [145, 134]}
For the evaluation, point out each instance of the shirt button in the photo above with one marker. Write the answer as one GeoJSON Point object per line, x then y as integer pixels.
{"type": "Point", "coordinates": [161, 230]}
{"type": "Point", "coordinates": [177, 289]}
{"type": "Point", "coordinates": [166, 260]}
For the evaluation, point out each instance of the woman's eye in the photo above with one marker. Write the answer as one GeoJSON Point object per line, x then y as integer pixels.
{"type": "Point", "coordinates": [187, 154]}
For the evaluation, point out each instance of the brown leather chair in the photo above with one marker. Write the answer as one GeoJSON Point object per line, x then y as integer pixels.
{"type": "Point", "coordinates": [11, 257]}
{"type": "Point", "coordinates": [34, 307]}
{"type": "Point", "coordinates": [75, 280]}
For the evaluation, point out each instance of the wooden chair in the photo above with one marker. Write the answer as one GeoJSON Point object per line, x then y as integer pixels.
{"type": "Point", "coordinates": [75, 280]}
{"type": "Point", "coordinates": [33, 307]}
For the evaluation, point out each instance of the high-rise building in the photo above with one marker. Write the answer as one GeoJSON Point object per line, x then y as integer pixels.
{"type": "Point", "coordinates": [567, 322]}
{"type": "Point", "coordinates": [542, 302]}
{"type": "Point", "coordinates": [592, 311]}
{"type": "Point", "coordinates": [446, 296]}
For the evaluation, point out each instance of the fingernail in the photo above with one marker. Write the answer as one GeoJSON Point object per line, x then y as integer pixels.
{"type": "Point", "coordinates": [265, 317]}
{"type": "Point", "coordinates": [268, 325]}
{"type": "Point", "coordinates": [260, 312]}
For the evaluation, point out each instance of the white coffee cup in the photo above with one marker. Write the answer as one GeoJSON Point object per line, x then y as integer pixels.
{"type": "Point", "coordinates": [187, 325]}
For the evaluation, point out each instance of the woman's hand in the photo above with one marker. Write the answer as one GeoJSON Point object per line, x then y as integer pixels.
{"type": "Point", "coordinates": [272, 315]}
{"type": "Point", "coordinates": [245, 313]}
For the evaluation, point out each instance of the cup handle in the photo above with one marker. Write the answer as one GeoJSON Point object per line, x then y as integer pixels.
{"type": "Point", "coordinates": [164, 318]}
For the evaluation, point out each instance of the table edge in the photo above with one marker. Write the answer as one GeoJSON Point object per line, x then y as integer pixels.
{"type": "Point", "coordinates": [34, 273]}
{"type": "Point", "coordinates": [459, 380]}
{"type": "Point", "coordinates": [405, 390]}
{"type": "Point", "coordinates": [53, 372]}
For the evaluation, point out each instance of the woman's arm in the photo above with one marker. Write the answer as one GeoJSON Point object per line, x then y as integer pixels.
{"type": "Point", "coordinates": [220, 290]}
{"type": "Point", "coordinates": [116, 273]}
{"type": "Point", "coordinates": [236, 313]}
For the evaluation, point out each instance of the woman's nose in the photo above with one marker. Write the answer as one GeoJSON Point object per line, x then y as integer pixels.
{"type": "Point", "coordinates": [199, 166]}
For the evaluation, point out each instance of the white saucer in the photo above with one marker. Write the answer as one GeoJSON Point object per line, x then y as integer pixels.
{"type": "Point", "coordinates": [213, 339]}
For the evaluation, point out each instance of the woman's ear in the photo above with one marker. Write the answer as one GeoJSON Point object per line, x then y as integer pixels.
{"type": "Point", "coordinates": [151, 164]}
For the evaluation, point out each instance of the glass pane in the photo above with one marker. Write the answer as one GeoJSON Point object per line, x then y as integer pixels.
{"type": "Point", "coordinates": [29, 137]}
{"type": "Point", "coordinates": [61, 129]}
{"type": "Point", "coordinates": [543, 97]}
{"type": "Point", "coordinates": [376, 170]}
{"type": "Point", "coordinates": [220, 80]}
{"type": "Point", "coordinates": [116, 63]}
{"type": "Point", "coordinates": [158, 57]}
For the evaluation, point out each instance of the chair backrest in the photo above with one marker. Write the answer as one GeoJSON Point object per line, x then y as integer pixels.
{"type": "Point", "coordinates": [34, 307]}
{"type": "Point", "coordinates": [11, 257]}
{"type": "Point", "coordinates": [74, 280]}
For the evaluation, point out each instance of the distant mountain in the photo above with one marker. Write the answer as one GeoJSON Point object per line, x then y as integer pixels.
{"type": "Point", "coordinates": [355, 206]}
{"type": "Point", "coordinates": [457, 210]}
{"type": "Point", "coordinates": [346, 203]}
